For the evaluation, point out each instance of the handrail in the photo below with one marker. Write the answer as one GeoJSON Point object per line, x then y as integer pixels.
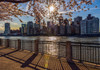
{"type": "Point", "coordinates": [81, 51]}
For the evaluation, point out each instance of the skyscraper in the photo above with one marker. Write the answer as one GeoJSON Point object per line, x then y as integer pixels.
{"type": "Point", "coordinates": [83, 27]}
{"type": "Point", "coordinates": [30, 30]}
{"type": "Point", "coordinates": [36, 29]}
{"type": "Point", "coordinates": [7, 29]}
{"type": "Point", "coordinates": [43, 28]}
{"type": "Point", "coordinates": [49, 24]}
{"type": "Point", "coordinates": [72, 28]}
{"type": "Point", "coordinates": [90, 25]}
{"type": "Point", "coordinates": [93, 26]}
{"type": "Point", "coordinates": [62, 27]}
{"type": "Point", "coordinates": [77, 21]}
{"type": "Point", "coordinates": [58, 29]}
{"type": "Point", "coordinates": [67, 27]}
{"type": "Point", "coordinates": [37, 26]}
{"type": "Point", "coordinates": [24, 29]}
{"type": "Point", "coordinates": [61, 20]}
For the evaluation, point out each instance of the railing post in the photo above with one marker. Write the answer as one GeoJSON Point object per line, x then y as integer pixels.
{"type": "Point", "coordinates": [31, 46]}
{"type": "Point", "coordinates": [58, 49]}
{"type": "Point", "coordinates": [19, 44]}
{"type": "Point", "coordinates": [68, 51]}
{"type": "Point", "coordinates": [42, 48]}
{"type": "Point", "coordinates": [0, 42]}
{"type": "Point", "coordinates": [80, 54]}
{"type": "Point", "coordinates": [7, 43]}
{"type": "Point", "coordinates": [36, 42]}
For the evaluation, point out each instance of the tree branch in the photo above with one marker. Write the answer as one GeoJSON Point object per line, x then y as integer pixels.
{"type": "Point", "coordinates": [15, 1]}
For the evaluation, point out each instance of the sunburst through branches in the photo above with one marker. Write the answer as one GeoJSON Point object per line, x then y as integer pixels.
{"type": "Point", "coordinates": [49, 9]}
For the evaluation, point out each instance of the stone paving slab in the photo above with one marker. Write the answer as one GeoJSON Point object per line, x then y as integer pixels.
{"type": "Point", "coordinates": [12, 59]}
{"type": "Point", "coordinates": [7, 64]}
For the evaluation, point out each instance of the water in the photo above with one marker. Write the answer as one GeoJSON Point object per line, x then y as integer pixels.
{"type": "Point", "coordinates": [54, 38]}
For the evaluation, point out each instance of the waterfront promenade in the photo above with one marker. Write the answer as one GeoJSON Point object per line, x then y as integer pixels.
{"type": "Point", "coordinates": [12, 59]}
{"type": "Point", "coordinates": [40, 55]}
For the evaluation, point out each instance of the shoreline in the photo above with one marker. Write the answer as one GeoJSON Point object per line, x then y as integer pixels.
{"type": "Point", "coordinates": [83, 36]}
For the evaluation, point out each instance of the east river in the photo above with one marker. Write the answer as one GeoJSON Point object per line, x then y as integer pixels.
{"type": "Point", "coordinates": [54, 38]}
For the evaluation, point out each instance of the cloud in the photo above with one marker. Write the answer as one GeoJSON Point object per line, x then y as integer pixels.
{"type": "Point", "coordinates": [1, 28]}
{"type": "Point", "coordinates": [15, 24]}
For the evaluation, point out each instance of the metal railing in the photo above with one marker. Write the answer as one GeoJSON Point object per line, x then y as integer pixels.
{"type": "Point", "coordinates": [13, 44]}
{"type": "Point", "coordinates": [27, 45]}
{"type": "Point", "coordinates": [3, 42]}
{"type": "Point", "coordinates": [53, 48]}
{"type": "Point", "coordinates": [88, 52]}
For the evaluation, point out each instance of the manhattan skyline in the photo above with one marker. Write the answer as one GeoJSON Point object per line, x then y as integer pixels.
{"type": "Point", "coordinates": [15, 24]}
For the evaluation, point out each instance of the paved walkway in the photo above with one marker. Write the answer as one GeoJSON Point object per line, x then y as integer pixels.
{"type": "Point", "coordinates": [11, 59]}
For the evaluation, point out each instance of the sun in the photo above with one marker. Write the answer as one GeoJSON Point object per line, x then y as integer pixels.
{"type": "Point", "coordinates": [51, 8]}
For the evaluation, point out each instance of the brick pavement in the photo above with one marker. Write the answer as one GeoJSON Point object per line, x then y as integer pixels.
{"type": "Point", "coordinates": [11, 59]}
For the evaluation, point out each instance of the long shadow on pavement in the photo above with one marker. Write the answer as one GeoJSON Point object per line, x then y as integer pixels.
{"type": "Point", "coordinates": [9, 53]}
{"type": "Point", "coordinates": [73, 65]}
{"type": "Point", "coordinates": [3, 48]}
{"type": "Point", "coordinates": [7, 56]}
{"type": "Point", "coordinates": [61, 64]}
{"type": "Point", "coordinates": [28, 61]}
{"type": "Point", "coordinates": [38, 62]}
{"type": "Point", "coordinates": [23, 60]}
{"type": "Point", "coordinates": [20, 62]}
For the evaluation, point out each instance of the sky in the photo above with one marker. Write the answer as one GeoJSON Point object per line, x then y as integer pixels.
{"type": "Point", "coordinates": [15, 24]}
